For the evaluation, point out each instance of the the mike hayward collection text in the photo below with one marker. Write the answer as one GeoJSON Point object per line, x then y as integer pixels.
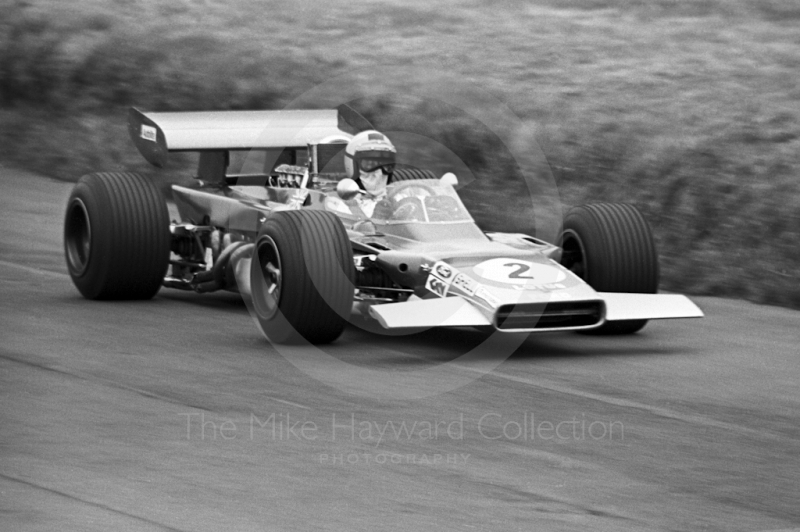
{"type": "Point", "coordinates": [287, 427]}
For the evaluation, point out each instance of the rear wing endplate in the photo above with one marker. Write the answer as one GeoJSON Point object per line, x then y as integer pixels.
{"type": "Point", "coordinates": [157, 134]}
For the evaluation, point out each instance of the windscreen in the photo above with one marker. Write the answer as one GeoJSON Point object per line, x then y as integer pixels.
{"type": "Point", "coordinates": [422, 201]}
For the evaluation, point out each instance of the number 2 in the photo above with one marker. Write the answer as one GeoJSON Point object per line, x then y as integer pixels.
{"type": "Point", "coordinates": [519, 271]}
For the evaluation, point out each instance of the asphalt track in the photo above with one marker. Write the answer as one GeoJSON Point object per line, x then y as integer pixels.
{"type": "Point", "coordinates": [175, 414]}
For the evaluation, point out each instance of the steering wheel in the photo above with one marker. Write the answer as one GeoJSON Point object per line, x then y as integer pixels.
{"type": "Point", "coordinates": [409, 210]}
{"type": "Point", "coordinates": [442, 208]}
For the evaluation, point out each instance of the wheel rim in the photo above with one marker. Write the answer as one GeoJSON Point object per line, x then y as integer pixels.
{"type": "Point", "coordinates": [78, 237]}
{"type": "Point", "coordinates": [573, 256]}
{"type": "Point", "coordinates": [267, 293]}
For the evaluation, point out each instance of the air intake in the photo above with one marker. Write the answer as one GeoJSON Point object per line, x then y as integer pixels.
{"type": "Point", "coordinates": [553, 315]}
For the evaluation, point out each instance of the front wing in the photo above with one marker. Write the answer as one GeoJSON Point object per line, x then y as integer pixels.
{"type": "Point", "coordinates": [557, 315]}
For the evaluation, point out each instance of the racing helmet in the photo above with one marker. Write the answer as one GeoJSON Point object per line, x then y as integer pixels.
{"type": "Point", "coordinates": [368, 151]}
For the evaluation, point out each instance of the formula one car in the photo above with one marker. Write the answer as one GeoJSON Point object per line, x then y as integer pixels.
{"type": "Point", "coordinates": [293, 241]}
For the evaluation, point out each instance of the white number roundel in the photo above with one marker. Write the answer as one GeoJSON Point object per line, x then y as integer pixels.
{"type": "Point", "coordinates": [515, 271]}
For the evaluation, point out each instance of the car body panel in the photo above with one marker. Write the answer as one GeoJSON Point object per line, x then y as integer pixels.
{"type": "Point", "coordinates": [426, 313]}
{"type": "Point", "coordinates": [621, 306]}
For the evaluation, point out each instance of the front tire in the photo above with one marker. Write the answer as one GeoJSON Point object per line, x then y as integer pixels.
{"type": "Point", "coordinates": [302, 276]}
{"type": "Point", "coordinates": [116, 237]}
{"type": "Point", "coordinates": [611, 247]}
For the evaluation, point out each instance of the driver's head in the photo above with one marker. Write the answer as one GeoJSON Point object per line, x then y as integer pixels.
{"type": "Point", "coordinates": [369, 159]}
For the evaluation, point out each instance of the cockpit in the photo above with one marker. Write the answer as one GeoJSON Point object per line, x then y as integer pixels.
{"type": "Point", "coordinates": [427, 201]}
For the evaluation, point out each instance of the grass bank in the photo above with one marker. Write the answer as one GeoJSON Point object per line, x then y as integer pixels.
{"type": "Point", "coordinates": [690, 110]}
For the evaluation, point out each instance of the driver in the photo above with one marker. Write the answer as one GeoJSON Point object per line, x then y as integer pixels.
{"type": "Point", "coordinates": [369, 160]}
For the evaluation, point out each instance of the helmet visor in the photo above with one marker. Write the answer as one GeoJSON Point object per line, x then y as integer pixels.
{"type": "Point", "coordinates": [371, 160]}
{"type": "Point", "coordinates": [368, 165]}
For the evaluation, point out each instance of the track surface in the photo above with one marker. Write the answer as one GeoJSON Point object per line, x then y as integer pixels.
{"type": "Point", "coordinates": [174, 414]}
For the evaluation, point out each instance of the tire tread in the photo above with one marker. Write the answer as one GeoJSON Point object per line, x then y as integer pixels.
{"type": "Point", "coordinates": [409, 173]}
{"type": "Point", "coordinates": [620, 253]}
{"type": "Point", "coordinates": [318, 273]}
{"type": "Point", "coordinates": [130, 236]}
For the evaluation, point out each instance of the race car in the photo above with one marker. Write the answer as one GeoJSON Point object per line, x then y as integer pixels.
{"type": "Point", "coordinates": [293, 242]}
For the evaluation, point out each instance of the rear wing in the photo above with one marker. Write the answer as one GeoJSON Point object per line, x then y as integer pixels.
{"type": "Point", "coordinates": [214, 133]}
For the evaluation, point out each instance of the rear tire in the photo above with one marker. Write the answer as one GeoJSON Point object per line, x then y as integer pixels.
{"type": "Point", "coordinates": [611, 247]}
{"type": "Point", "coordinates": [302, 276]}
{"type": "Point", "coordinates": [116, 237]}
{"type": "Point", "coordinates": [410, 173]}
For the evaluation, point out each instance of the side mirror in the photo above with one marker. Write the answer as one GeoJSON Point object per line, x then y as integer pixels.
{"type": "Point", "coordinates": [347, 189]}
{"type": "Point", "coordinates": [449, 179]}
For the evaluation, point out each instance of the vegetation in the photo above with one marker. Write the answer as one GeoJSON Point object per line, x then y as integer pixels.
{"type": "Point", "coordinates": [689, 109]}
